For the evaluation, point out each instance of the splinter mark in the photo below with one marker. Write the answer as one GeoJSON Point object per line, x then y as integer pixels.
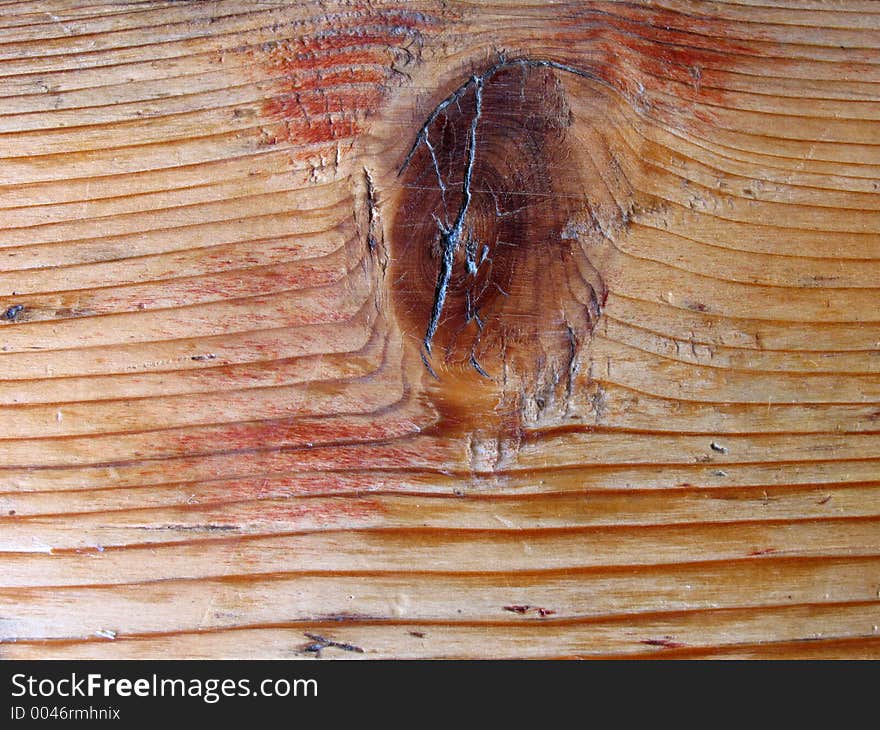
{"type": "Point", "coordinates": [371, 209]}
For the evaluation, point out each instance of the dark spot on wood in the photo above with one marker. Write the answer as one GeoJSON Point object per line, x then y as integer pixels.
{"type": "Point", "coordinates": [319, 643]}
{"type": "Point", "coordinates": [759, 553]}
{"type": "Point", "coordinates": [12, 313]}
{"type": "Point", "coordinates": [523, 609]}
{"type": "Point", "coordinates": [666, 642]}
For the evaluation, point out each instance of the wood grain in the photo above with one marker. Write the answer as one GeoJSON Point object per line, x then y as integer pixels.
{"type": "Point", "coordinates": [637, 414]}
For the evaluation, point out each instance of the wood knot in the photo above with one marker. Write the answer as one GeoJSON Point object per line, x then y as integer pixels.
{"type": "Point", "coordinates": [495, 265]}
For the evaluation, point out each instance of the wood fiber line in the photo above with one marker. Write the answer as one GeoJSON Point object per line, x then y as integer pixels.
{"type": "Point", "coordinates": [440, 329]}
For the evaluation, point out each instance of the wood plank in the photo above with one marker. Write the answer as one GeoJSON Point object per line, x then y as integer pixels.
{"type": "Point", "coordinates": [440, 329]}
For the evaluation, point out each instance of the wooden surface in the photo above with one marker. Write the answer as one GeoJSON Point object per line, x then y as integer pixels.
{"type": "Point", "coordinates": [646, 421]}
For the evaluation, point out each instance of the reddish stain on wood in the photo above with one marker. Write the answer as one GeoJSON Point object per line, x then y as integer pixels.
{"type": "Point", "coordinates": [302, 433]}
{"type": "Point", "coordinates": [325, 84]}
{"type": "Point", "coordinates": [661, 61]}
